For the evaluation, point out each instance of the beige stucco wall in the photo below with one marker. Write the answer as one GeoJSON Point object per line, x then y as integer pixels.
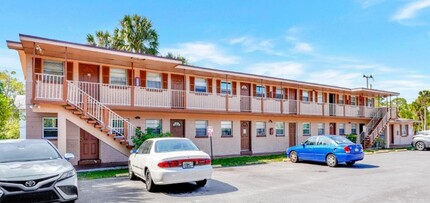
{"type": "Point", "coordinates": [231, 146]}
{"type": "Point", "coordinates": [400, 139]}
{"type": "Point", "coordinates": [108, 154]}
{"type": "Point", "coordinates": [73, 141]}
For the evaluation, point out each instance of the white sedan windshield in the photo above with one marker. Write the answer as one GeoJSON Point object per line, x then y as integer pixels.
{"type": "Point", "coordinates": [173, 145]}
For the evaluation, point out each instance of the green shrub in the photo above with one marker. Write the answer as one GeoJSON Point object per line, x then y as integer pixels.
{"type": "Point", "coordinates": [379, 143]}
{"type": "Point", "coordinates": [352, 137]}
{"type": "Point", "coordinates": [143, 136]}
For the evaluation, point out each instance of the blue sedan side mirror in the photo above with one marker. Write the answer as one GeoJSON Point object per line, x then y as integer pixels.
{"type": "Point", "coordinates": [303, 144]}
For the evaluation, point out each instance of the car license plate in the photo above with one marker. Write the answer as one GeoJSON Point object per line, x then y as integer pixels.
{"type": "Point", "coordinates": [186, 165]}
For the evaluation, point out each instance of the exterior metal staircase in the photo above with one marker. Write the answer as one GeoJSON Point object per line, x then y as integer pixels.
{"type": "Point", "coordinates": [376, 127]}
{"type": "Point", "coordinates": [99, 116]}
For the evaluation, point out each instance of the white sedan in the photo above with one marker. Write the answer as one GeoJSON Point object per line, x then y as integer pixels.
{"type": "Point", "coordinates": [162, 161]}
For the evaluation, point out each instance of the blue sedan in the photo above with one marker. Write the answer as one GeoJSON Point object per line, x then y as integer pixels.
{"type": "Point", "coordinates": [331, 149]}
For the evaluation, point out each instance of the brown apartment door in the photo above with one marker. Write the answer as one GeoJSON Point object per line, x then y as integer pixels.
{"type": "Point", "coordinates": [293, 101]}
{"type": "Point", "coordinates": [177, 127]}
{"type": "Point", "coordinates": [391, 134]}
{"type": "Point", "coordinates": [89, 146]}
{"type": "Point", "coordinates": [245, 135]}
{"type": "Point", "coordinates": [178, 88]}
{"type": "Point", "coordinates": [292, 134]}
{"type": "Point", "coordinates": [245, 97]}
{"type": "Point", "coordinates": [332, 128]}
{"type": "Point", "coordinates": [89, 74]}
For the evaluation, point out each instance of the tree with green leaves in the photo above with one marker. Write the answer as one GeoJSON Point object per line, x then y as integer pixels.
{"type": "Point", "coordinates": [177, 57]}
{"type": "Point", "coordinates": [135, 34]}
{"type": "Point", "coordinates": [10, 87]}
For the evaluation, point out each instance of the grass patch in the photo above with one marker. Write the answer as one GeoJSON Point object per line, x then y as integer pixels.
{"type": "Point", "coordinates": [100, 174]}
{"type": "Point", "coordinates": [243, 160]}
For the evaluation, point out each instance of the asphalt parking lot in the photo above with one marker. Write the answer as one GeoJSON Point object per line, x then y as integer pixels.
{"type": "Point", "coordinates": [387, 177]}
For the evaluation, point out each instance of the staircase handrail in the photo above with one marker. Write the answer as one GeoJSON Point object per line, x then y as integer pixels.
{"type": "Point", "coordinates": [100, 112]}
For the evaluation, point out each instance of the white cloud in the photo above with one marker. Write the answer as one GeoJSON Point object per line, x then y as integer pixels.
{"type": "Point", "coordinates": [252, 44]}
{"type": "Point", "coordinates": [197, 52]}
{"type": "Point", "coordinates": [336, 77]}
{"type": "Point", "coordinates": [284, 69]}
{"type": "Point", "coordinates": [410, 10]}
{"type": "Point", "coordinates": [368, 3]}
{"type": "Point", "coordinates": [303, 47]}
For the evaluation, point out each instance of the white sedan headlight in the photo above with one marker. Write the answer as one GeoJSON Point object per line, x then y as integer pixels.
{"type": "Point", "coordinates": [68, 174]}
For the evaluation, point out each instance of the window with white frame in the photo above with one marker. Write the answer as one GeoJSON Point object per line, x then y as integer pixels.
{"type": "Point", "coordinates": [153, 80]}
{"type": "Point", "coordinates": [53, 67]}
{"type": "Point", "coordinates": [353, 128]}
{"type": "Point", "coordinates": [201, 128]}
{"type": "Point", "coordinates": [118, 76]}
{"type": "Point", "coordinates": [200, 85]}
{"type": "Point", "coordinates": [354, 100]}
{"type": "Point", "coordinates": [261, 128]}
{"type": "Point", "coordinates": [261, 91]}
{"type": "Point", "coordinates": [341, 128]}
{"type": "Point", "coordinates": [306, 128]}
{"type": "Point", "coordinates": [279, 93]}
{"type": "Point", "coordinates": [50, 128]}
{"type": "Point", "coordinates": [226, 88]}
{"type": "Point", "coordinates": [280, 128]}
{"type": "Point", "coordinates": [341, 99]}
{"type": "Point", "coordinates": [154, 125]}
{"type": "Point", "coordinates": [321, 130]}
{"type": "Point", "coordinates": [320, 97]}
{"type": "Point", "coordinates": [226, 128]}
{"type": "Point", "coordinates": [305, 95]}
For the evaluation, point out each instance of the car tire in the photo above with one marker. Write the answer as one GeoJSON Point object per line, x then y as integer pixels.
{"type": "Point", "coordinates": [421, 146]}
{"type": "Point", "coordinates": [201, 183]}
{"type": "Point", "coordinates": [131, 174]}
{"type": "Point", "coordinates": [294, 158]}
{"type": "Point", "coordinates": [331, 160]}
{"type": "Point", "coordinates": [150, 185]}
{"type": "Point", "coordinates": [350, 163]}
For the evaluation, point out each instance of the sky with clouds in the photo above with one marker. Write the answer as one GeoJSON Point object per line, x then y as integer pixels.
{"type": "Point", "coordinates": [330, 42]}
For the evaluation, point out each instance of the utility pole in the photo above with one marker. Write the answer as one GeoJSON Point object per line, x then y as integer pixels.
{"type": "Point", "coordinates": [367, 79]}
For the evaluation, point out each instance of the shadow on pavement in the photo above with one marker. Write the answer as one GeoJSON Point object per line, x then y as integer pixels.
{"type": "Point", "coordinates": [213, 187]}
{"type": "Point", "coordinates": [343, 165]}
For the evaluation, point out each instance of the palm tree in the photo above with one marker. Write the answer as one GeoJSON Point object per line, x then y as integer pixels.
{"type": "Point", "coordinates": [103, 39]}
{"type": "Point", "coordinates": [138, 35]}
{"type": "Point", "coordinates": [177, 57]}
{"type": "Point", "coordinates": [135, 34]}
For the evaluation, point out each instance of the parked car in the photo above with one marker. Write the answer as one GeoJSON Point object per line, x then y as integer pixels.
{"type": "Point", "coordinates": [162, 161]}
{"type": "Point", "coordinates": [421, 140]}
{"type": "Point", "coordinates": [34, 171]}
{"type": "Point", "coordinates": [331, 149]}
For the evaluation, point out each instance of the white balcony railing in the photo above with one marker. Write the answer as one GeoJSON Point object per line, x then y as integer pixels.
{"type": "Point", "coordinates": [49, 87]}
{"type": "Point", "coordinates": [256, 104]}
{"type": "Point", "coordinates": [148, 97]}
{"type": "Point", "coordinates": [272, 105]}
{"type": "Point", "coordinates": [206, 101]}
{"type": "Point", "coordinates": [311, 108]}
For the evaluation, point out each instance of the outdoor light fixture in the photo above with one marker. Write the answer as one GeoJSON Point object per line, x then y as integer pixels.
{"type": "Point", "coordinates": [39, 50]}
{"type": "Point", "coordinates": [270, 121]}
{"type": "Point", "coordinates": [137, 117]}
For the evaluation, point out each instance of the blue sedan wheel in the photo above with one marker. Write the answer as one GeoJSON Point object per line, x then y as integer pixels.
{"type": "Point", "coordinates": [293, 157]}
{"type": "Point", "coordinates": [331, 160]}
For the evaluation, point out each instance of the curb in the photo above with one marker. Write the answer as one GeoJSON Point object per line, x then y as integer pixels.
{"type": "Point", "coordinates": [102, 169]}
{"type": "Point", "coordinates": [121, 175]}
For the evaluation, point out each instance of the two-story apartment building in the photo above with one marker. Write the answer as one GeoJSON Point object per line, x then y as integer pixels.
{"type": "Point", "coordinates": [90, 101]}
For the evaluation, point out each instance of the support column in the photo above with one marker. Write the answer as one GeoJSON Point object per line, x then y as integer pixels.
{"type": "Point", "coordinates": [65, 77]}
{"type": "Point", "coordinates": [132, 85]}
{"type": "Point", "coordinates": [62, 133]}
